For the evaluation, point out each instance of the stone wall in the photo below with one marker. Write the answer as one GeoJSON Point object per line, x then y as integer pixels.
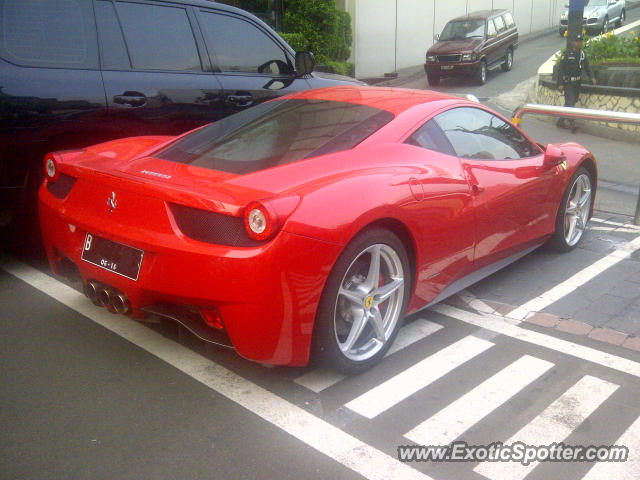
{"type": "Point", "coordinates": [599, 98]}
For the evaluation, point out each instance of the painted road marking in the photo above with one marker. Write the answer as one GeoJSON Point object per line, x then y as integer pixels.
{"type": "Point", "coordinates": [504, 326]}
{"type": "Point", "coordinates": [319, 379]}
{"type": "Point", "coordinates": [553, 425]}
{"type": "Point", "coordinates": [354, 454]}
{"type": "Point", "coordinates": [629, 470]}
{"type": "Point", "coordinates": [416, 377]}
{"type": "Point", "coordinates": [457, 417]}
{"type": "Point", "coordinates": [562, 289]}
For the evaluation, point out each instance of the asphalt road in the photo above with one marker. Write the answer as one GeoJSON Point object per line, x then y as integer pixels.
{"type": "Point", "coordinates": [89, 395]}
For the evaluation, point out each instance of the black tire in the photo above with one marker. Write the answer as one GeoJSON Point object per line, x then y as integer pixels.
{"type": "Point", "coordinates": [351, 274]}
{"type": "Point", "coordinates": [508, 60]}
{"type": "Point", "coordinates": [434, 80]}
{"type": "Point", "coordinates": [480, 77]}
{"type": "Point", "coordinates": [605, 25]}
{"type": "Point", "coordinates": [623, 17]}
{"type": "Point", "coordinates": [559, 241]}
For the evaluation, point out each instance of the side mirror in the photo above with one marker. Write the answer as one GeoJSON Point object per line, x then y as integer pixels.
{"type": "Point", "coordinates": [304, 63]}
{"type": "Point", "coordinates": [436, 37]}
{"type": "Point", "coordinates": [553, 156]}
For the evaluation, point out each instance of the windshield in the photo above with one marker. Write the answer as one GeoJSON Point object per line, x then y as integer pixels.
{"type": "Point", "coordinates": [461, 29]}
{"type": "Point", "coordinates": [596, 3]}
{"type": "Point", "coordinates": [275, 133]}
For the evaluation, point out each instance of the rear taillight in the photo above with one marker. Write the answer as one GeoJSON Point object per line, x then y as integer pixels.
{"type": "Point", "coordinates": [264, 219]}
{"type": "Point", "coordinates": [51, 167]}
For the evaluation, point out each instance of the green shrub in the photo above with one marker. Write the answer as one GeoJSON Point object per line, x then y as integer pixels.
{"type": "Point", "coordinates": [296, 40]}
{"type": "Point", "coordinates": [325, 29]}
{"type": "Point", "coordinates": [610, 48]}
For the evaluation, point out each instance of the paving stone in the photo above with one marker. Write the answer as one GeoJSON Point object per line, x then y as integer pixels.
{"type": "Point", "coordinates": [596, 319]}
{"type": "Point", "coordinates": [608, 304]}
{"type": "Point", "coordinates": [625, 289]}
{"type": "Point", "coordinates": [575, 327]}
{"type": "Point", "coordinates": [608, 336]}
{"type": "Point", "coordinates": [567, 306]}
{"type": "Point", "coordinates": [627, 321]}
{"type": "Point", "coordinates": [543, 319]}
{"type": "Point", "coordinates": [633, 343]}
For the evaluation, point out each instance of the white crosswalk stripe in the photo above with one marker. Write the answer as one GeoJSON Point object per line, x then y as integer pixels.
{"type": "Point", "coordinates": [416, 377]}
{"type": "Point", "coordinates": [553, 425]}
{"type": "Point", "coordinates": [457, 417]}
{"type": "Point", "coordinates": [629, 470]}
{"type": "Point", "coordinates": [320, 379]}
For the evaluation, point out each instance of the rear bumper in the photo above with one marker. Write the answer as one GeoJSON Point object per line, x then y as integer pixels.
{"type": "Point", "coordinates": [267, 296]}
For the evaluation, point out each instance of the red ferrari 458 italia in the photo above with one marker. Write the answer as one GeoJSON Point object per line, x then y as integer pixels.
{"type": "Point", "coordinates": [311, 224]}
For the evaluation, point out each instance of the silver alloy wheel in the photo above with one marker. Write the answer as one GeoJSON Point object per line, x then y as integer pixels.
{"type": "Point", "coordinates": [577, 209]}
{"type": "Point", "coordinates": [605, 25]}
{"type": "Point", "coordinates": [369, 302]}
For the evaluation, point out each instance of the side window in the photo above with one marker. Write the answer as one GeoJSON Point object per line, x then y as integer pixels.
{"type": "Point", "coordinates": [478, 134]}
{"type": "Point", "coordinates": [430, 136]}
{"type": "Point", "coordinates": [499, 23]}
{"type": "Point", "coordinates": [491, 29]}
{"type": "Point", "coordinates": [508, 20]}
{"type": "Point", "coordinates": [114, 51]}
{"type": "Point", "coordinates": [48, 33]}
{"type": "Point", "coordinates": [158, 37]}
{"type": "Point", "coordinates": [239, 46]}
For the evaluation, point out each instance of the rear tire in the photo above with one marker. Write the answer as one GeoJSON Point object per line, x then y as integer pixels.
{"type": "Point", "coordinates": [623, 17]}
{"type": "Point", "coordinates": [363, 302]}
{"type": "Point", "coordinates": [480, 76]}
{"type": "Point", "coordinates": [573, 212]}
{"type": "Point", "coordinates": [508, 60]}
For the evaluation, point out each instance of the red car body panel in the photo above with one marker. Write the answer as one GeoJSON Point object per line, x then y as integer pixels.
{"type": "Point", "coordinates": [267, 295]}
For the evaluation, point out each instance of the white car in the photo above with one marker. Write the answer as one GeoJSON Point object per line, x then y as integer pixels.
{"type": "Point", "coordinates": [599, 16]}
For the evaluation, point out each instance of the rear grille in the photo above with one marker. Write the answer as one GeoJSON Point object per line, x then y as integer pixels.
{"type": "Point", "coordinates": [212, 227]}
{"type": "Point", "coordinates": [449, 58]}
{"type": "Point", "coordinates": [62, 186]}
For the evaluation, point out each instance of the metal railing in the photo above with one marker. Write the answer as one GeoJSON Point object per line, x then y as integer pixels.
{"type": "Point", "coordinates": [582, 114]}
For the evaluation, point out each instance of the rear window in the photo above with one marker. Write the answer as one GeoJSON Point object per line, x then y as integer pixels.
{"type": "Point", "coordinates": [276, 133]}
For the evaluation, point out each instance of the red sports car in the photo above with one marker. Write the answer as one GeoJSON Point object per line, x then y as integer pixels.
{"type": "Point", "coordinates": [311, 224]}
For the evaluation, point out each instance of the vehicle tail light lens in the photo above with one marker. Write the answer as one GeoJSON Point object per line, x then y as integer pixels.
{"type": "Point", "coordinates": [264, 219]}
{"type": "Point", "coordinates": [51, 167]}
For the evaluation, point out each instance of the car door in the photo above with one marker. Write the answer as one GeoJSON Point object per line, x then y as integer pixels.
{"type": "Point", "coordinates": [251, 65]}
{"type": "Point", "coordinates": [51, 91]}
{"type": "Point", "coordinates": [155, 80]}
{"type": "Point", "coordinates": [444, 222]}
{"type": "Point", "coordinates": [513, 200]}
{"type": "Point", "coordinates": [491, 43]}
{"type": "Point", "coordinates": [502, 38]}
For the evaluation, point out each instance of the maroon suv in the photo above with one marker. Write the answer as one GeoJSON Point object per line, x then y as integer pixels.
{"type": "Point", "coordinates": [471, 44]}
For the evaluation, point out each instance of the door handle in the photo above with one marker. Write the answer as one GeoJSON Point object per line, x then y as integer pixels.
{"type": "Point", "coordinates": [240, 99]}
{"type": "Point", "coordinates": [131, 99]}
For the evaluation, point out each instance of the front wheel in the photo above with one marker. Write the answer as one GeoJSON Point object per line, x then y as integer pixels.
{"type": "Point", "coordinates": [573, 214]}
{"type": "Point", "coordinates": [481, 74]}
{"type": "Point", "coordinates": [363, 302]}
{"type": "Point", "coordinates": [605, 25]}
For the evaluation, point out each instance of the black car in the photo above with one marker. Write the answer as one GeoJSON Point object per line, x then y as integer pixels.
{"type": "Point", "coordinates": [79, 72]}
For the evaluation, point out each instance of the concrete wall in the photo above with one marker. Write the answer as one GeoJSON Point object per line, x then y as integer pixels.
{"type": "Point", "coordinates": [392, 34]}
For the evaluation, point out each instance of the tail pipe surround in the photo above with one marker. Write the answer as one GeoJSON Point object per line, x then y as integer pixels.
{"type": "Point", "coordinates": [105, 296]}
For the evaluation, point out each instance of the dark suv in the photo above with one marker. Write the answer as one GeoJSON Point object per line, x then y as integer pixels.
{"type": "Point", "coordinates": [79, 72]}
{"type": "Point", "coordinates": [471, 44]}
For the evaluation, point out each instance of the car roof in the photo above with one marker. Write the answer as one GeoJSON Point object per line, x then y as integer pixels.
{"type": "Point", "coordinates": [394, 100]}
{"type": "Point", "coordinates": [480, 14]}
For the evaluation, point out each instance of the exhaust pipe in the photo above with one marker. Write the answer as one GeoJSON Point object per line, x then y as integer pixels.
{"type": "Point", "coordinates": [120, 303]}
{"type": "Point", "coordinates": [105, 298]}
{"type": "Point", "coordinates": [91, 290]}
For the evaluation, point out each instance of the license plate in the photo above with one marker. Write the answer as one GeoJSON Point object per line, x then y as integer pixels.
{"type": "Point", "coordinates": [113, 256]}
{"type": "Point", "coordinates": [447, 67]}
